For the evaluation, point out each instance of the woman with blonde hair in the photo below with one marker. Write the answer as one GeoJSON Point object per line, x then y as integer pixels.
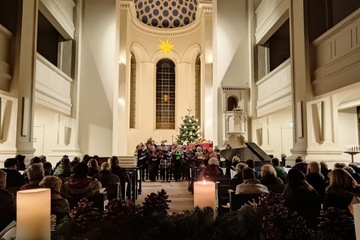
{"type": "Point", "coordinates": [59, 205]}
{"type": "Point", "coordinates": [342, 192]}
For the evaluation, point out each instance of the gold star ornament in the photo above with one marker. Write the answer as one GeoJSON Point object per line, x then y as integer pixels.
{"type": "Point", "coordinates": [166, 47]}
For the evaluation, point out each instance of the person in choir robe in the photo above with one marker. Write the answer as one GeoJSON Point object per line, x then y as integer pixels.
{"type": "Point", "coordinates": [177, 161]}
{"type": "Point", "coordinates": [7, 206]}
{"type": "Point", "coordinates": [142, 161]}
{"type": "Point", "coordinates": [153, 163]}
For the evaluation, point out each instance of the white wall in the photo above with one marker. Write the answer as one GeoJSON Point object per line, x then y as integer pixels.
{"type": "Point", "coordinates": [277, 133]}
{"type": "Point", "coordinates": [98, 72]}
{"type": "Point", "coordinates": [347, 130]}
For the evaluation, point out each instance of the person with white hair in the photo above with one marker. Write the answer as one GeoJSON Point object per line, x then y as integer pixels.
{"type": "Point", "coordinates": [7, 206]}
{"type": "Point", "coordinates": [212, 171]}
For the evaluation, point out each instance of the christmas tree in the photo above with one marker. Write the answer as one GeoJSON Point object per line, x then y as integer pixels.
{"type": "Point", "coordinates": [189, 129]}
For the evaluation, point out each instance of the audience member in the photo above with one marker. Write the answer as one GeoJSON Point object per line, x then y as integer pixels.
{"type": "Point", "coordinates": [118, 171]}
{"type": "Point", "coordinates": [20, 162]}
{"type": "Point", "coordinates": [237, 179]}
{"type": "Point", "coordinates": [250, 184]}
{"type": "Point", "coordinates": [105, 176]}
{"type": "Point", "coordinates": [42, 159]}
{"type": "Point", "coordinates": [302, 166]}
{"type": "Point", "coordinates": [79, 184]}
{"type": "Point", "coordinates": [339, 165]}
{"type": "Point", "coordinates": [269, 176]}
{"type": "Point", "coordinates": [212, 171]}
{"type": "Point", "coordinates": [35, 173]}
{"type": "Point", "coordinates": [324, 170]}
{"type": "Point", "coordinates": [63, 170]}
{"type": "Point", "coordinates": [353, 173]}
{"type": "Point", "coordinates": [301, 197]}
{"type": "Point", "coordinates": [280, 171]}
{"type": "Point", "coordinates": [342, 191]}
{"type": "Point", "coordinates": [14, 179]}
{"type": "Point", "coordinates": [251, 165]}
{"type": "Point", "coordinates": [109, 180]}
{"type": "Point", "coordinates": [59, 205]}
{"type": "Point", "coordinates": [93, 167]}
{"type": "Point", "coordinates": [75, 161]}
{"type": "Point", "coordinates": [48, 169]}
{"type": "Point", "coordinates": [34, 160]}
{"type": "Point", "coordinates": [234, 161]}
{"type": "Point", "coordinates": [316, 179]}
{"type": "Point", "coordinates": [7, 206]}
{"type": "Point", "coordinates": [299, 159]}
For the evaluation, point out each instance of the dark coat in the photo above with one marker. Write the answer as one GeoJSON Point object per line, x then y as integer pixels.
{"type": "Point", "coordinates": [7, 208]}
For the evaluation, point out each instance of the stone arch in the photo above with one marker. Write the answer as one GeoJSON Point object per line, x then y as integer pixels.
{"type": "Point", "coordinates": [139, 52]}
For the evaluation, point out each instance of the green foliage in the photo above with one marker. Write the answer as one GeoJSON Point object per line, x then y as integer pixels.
{"type": "Point", "coordinates": [269, 219]}
{"type": "Point", "coordinates": [189, 130]}
{"type": "Point", "coordinates": [156, 204]}
{"type": "Point", "coordinates": [335, 225]}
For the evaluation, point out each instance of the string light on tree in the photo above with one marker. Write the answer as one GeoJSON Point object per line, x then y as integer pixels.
{"type": "Point", "coordinates": [189, 130]}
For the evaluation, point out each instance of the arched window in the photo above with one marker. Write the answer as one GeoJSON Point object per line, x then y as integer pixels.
{"type": "Point", "coordinates": [165, 94]}
{"type": "Point", "coordinates": [198, 88]}
{"type": "Point", "coordinates": [132, 118]}
{"type": "Point", "coordinates": [232, 103]}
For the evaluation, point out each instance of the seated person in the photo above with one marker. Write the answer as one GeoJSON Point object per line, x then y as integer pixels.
{"type": "Point", "coordinates": [79, 185]}
{"type": "Point", "coordinates": [59, 205]}
{"type": "Point", "coordinates": [235, 160]}
{"type": "Point", "coordinates": [107, 179]}
{"type": "Point", "coordinates": [105, 176]}
{"type": "Point", "coordinates": [251, 165]}
{"type": "Point", "coordinates": [14, 180]}
{"type": "Point", "coordinates": [93, 167]}
{"type": "Point", "coordinates": [48, 169]}
{"type": "Point", "coordinates": [212, 171]}
{"type": "Point", "coordinates": [269, 175]}
{"type": "Point", "coordinates": [298, 188]}
{"type": "Point", "coordinates": [63, 170]}
{"type": "Point", "coordinates": [251, 185]}
{"type": "Point", "coordinates": [316, 179]}
{"type": "Point", "coordinates": [342, 191]}
{"type": "Point", "coordinates": [280, 171]}
{"type": "Point", "coordinates": [35, 173]}
{"type": "Point", "coordinates": [237, 179]}
{"type": "Point", "coordinates": [7, 206]}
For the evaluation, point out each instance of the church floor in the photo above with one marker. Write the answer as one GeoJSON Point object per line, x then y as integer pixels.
{"type": "Point", "coordinates": [181, 198]}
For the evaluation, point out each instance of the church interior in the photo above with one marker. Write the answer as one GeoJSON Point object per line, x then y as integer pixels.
{"type": "Point", "coordinates": [90, 77]}
{"type": "Point", "coordinates": [84, 77]}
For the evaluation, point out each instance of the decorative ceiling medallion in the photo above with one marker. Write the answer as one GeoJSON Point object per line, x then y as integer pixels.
{"type": "Point", "coordinates": [166, 13]}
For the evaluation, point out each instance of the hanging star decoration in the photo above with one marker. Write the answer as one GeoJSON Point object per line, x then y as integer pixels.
{"type": "Point", "coordinates": [166, 46]}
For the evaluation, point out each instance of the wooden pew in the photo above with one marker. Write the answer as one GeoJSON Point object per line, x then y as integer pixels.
{"type": "Point", "coordinates": [238, 200]}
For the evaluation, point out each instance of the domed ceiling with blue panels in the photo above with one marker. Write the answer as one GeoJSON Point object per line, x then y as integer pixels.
{"type": "Point", "coordinates": [166, 13]}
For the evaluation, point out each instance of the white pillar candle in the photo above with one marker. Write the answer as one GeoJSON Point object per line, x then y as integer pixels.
{"type": "Point", "coordinates": [356, 212]}
{"type": "Point", "coordinates": [204, 194]}
{"type": "Point", "coordinates": [33, 214]}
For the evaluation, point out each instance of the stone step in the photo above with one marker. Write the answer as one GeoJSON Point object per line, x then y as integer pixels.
{"type": "Point", "coordinates": [127, 161]}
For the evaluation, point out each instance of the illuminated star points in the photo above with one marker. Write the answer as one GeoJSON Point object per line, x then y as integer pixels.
{"type": "Point", "coordinates": [166, 47]}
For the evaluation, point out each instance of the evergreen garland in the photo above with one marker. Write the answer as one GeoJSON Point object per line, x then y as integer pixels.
{"type": "Point", "coordinates": [189, 129]}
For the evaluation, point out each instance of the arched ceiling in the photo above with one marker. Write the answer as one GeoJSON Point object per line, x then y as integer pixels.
{"type": "Point", "coordinates": [166, 13]}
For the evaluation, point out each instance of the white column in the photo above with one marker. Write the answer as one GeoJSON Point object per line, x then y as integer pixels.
{"type": "Point", "coordinates": [24, 75]}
